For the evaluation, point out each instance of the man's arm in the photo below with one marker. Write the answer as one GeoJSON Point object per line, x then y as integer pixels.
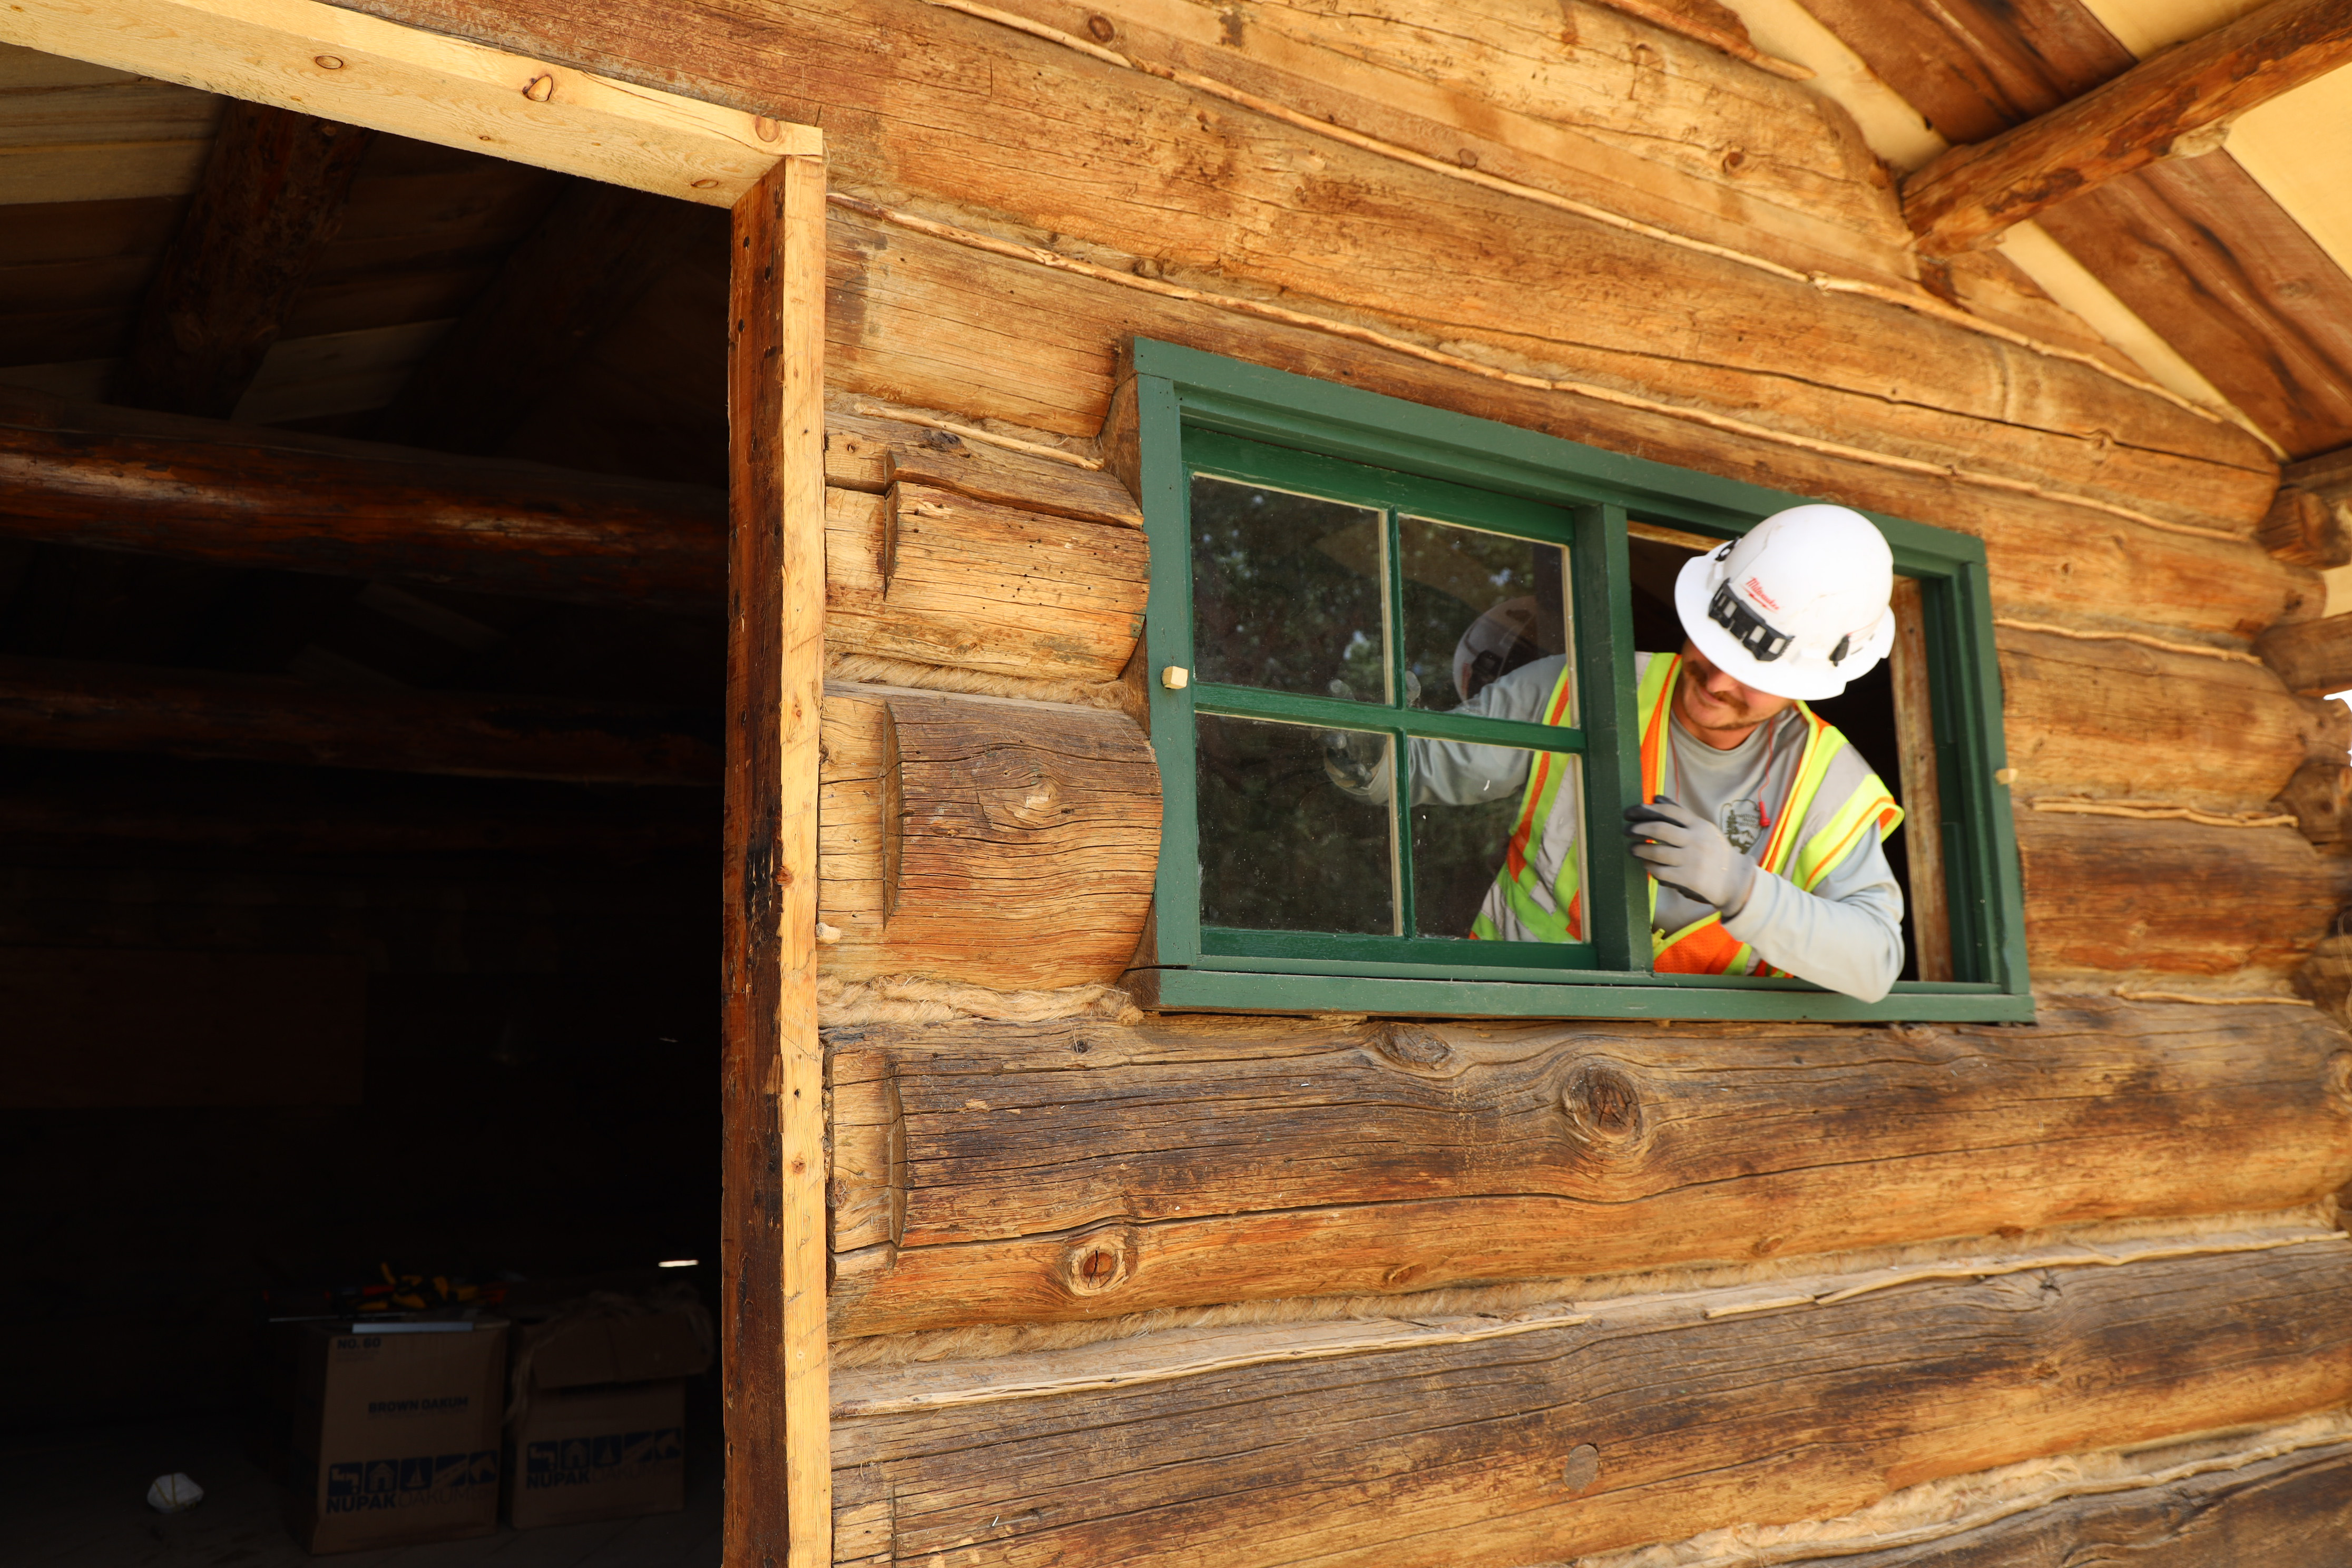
{"type": "Point", "coordinates": [1845, 935]}
{"type": "Point", "coordinates": [1456, 772]}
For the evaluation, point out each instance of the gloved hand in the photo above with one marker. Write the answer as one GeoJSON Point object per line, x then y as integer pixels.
{"type": "Point", "coordinates": [1689, 854]}
{"type": "Point", "coordinates": [1352, 757]}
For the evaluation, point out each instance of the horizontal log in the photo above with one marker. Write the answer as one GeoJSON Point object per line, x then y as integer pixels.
{"type": "Point", "coordinates": [872, 452]}
{"type": "Point", "coordinates": [929, 575]}
{"type": "Point", "coordinates": [88, 797]}
{"type": "Point", "coordinates": [1034, 348]}
{"type": "Point", "coordinates": [2151, 111]}
{"type": "Point", "coordinates": [2113, 895]}
{"type": "Point", "coordinates": [59, 704]}
{"type": "Point", "coordinates": [203, 489]}
{"type": "Point", "coordinates": [2314, 657]}
{"type": "Point", "coordinates": [2293, 1512]}
{"type": "Point", "coordinates": [1631, 1422]}
{"type": "Point", "coordinates": [2327, 475]}
{"type": "Point", "coordinates": [2120, 718]}
{"type": "Point", "coordinates": [1002, 843]}
{"type": "Point", "coordinates": [1024, 1173]}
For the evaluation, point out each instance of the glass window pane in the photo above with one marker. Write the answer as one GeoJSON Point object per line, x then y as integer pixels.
{"type": "Point", "coordinates": [1287, 591]}
{"type": "Point", "coordinates": [1477, 607]}
{"type": "Point", "coordinates": [1468, 801]}
{"type": "Point", "coordinates": [1297, 833]}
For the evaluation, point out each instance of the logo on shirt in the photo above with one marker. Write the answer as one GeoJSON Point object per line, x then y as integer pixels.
{"type": "Point", "coordinates": [1742, 822]}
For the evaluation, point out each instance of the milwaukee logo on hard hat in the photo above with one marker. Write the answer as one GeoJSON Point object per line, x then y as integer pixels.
{"type": "Point", "coordinates": [1762, 597]}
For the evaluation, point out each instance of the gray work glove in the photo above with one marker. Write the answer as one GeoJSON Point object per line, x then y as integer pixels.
{"type": "Point", "coordinates": [1686, 852]}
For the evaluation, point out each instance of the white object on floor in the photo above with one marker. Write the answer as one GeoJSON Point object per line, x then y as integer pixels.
{"type": "Point", "coordinates": [173, 1493]}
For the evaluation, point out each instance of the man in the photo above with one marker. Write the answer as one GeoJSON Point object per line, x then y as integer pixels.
{"type": "Point", "coordinates": [1763, 837]}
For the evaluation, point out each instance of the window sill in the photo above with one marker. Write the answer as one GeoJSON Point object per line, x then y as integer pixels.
{"type": "Point", "coordinates": [1632, 997]}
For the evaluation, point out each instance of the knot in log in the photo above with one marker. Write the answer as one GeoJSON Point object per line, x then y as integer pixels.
{"type": "Point", "coordinates": [1581, 1469]}
{"type": "Point", "coordinates": [1099, 1259]}
{"type": "Point", "coordinates": [1606, 1111]}
{"type": "Point", "coordinates": [1408, 1046]}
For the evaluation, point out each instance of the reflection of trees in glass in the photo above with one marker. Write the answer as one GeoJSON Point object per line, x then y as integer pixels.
{"type": "Point", "coordinates": [1272, 609]}
{"type": "Point", "coordinates": [1281, 848]}
{"type": "Point", "coordinates": [1452, 576]}
{"type": "Point", "coordinates": [1456, 851]}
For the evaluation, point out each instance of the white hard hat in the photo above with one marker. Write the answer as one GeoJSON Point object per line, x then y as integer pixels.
{"type": "Point", "coordinates": [1797, 607]}
{"type": "Point", "coordinates": [1507, 637]}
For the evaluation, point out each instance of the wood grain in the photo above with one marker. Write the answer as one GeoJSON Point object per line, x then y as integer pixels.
{"type": "Point", "coordinates": [2110, 896]}
{"type": "Point", "coordinates": [1214, 1160]}
{"type": "Point", "coordinates": [2311, 656]}
{"type": "Point", "coordinates": [1973, 193]}
{"type": "Point", "coordinates": [1643, 1424]}
{"type": "Point", "coordinates": [2304, 530]}
{"type": "Point", "coordinates": [2293, 1512]}
{"type": "Point", "coordinates": [271, 196]}
{"type": "Point", "coordinates": [772, 1212]}
{"type": "Point", "coordinates": [2209, 259]}
{"type": "Point", "coordinates": [936, 578]}
{"type": "Point", "coordinates": [1975, 68]}
{"type": "Point", "coordinates": [1915, 738]}
{"type": "Point", "coordinates": [871, 452]}
{"type": "Point", "coordinates": [76, 705]}
{"type": "Point", "coordinates": [2126, 721]}
{"type": "Point", "coordinates": [327, 60]}
{"type": "Point", "coordinates": [1034, 348]}
{"type": "Point", "coordinates": [1000, 843]}
{"type": "Point", "coordinates": [1196, 189]}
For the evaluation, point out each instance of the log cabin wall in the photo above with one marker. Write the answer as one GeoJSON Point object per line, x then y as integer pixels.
{"type": "Point", "coordinates": [1507, 1293]}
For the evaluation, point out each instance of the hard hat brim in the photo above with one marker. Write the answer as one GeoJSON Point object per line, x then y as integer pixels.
{"type": "Point", "coordinates": [1808, 679]}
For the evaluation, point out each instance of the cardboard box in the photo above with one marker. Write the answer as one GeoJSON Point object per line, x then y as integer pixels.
{"type": "Point", "coordinates": [600, 1431]}
{"type": "Point", "coordinates": [396, 1435]}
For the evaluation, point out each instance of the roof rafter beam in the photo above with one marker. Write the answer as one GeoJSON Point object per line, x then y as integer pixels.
{"type": "Point", "coordinates": [2156, 109]}
{"type": "Point", "coordinates": [273, 191]}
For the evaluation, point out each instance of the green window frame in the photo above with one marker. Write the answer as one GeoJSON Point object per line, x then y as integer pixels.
{"type": "Point", "coordinates": [1203, 413]}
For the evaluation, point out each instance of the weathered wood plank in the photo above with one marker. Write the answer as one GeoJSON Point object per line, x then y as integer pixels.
{"type": "Point", "coordinates": [1647, 1422]}
{"type": "Point", "coordinates": [929, 575]}
{"type": "Point", "coordinates": [2305, 529]}
{"type": "Point", "coordinates": [771, 1239]}
{"type": "Point", "coordinates": [1975, 69]}
{"type": "Point", "coordinates": [1972, 193]}
{"type": "Point", "coordinates": [1002, 843]}
{"type": "Point", "coordinates": [272, 194]}
{"type": "Point", "coordinates": [71, 705]}
{"type": "Point", "coordinates": [1158, 177]}
{"type": "Point", "coordinates": [871, 452]}
{"type": "Point", "coordinates": [1036, 348]}
{"type": "Point", "coordinates": [2293, 1512]}
{"type": "Point", "coordinates": [2120, 720]}
{"type": "Point", "coordinates": [1245, 1161]}
{"type": "Point", "coordinates": [2113, 895]}
{"type": "Point", "coordinates": [297, 54]}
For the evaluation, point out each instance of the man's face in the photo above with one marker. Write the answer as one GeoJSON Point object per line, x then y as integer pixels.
{"type": "Point", "coordinates": [1717, 708]}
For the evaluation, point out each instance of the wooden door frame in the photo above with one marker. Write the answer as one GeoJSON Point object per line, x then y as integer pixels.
{"type": "Point", "coordinates": [346, 66]}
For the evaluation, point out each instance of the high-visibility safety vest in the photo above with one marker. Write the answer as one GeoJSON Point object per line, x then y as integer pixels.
{"type": "Point", "coordinates": [1536, 891]}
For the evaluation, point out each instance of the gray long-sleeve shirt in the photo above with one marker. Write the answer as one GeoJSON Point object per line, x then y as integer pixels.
{"type": "Point", "coordinates": [1846, 934]}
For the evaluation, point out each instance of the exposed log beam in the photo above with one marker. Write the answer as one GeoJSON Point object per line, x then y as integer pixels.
{"type": "Point", "coordinates": [1234, 1161]}
{"type": "Point", "coordinates": [273, 191]}
{"type": "Point", "coordinates": [71, 706]}
{"type": "Point", "coordinates": [1542, 1434]}
{"type": "Point", "coordinates": [594, 256]}
{"type": "Point", "coordinates": [2154, 110]}
{"type": "Point", "coordinates": [162, 803]}
{"type": "Point", "coordinates": [2327, 475]}
{"type": "Point", "coordinates": [2314, 657]}
{"type": "Point", "coordinates": [201, 489]}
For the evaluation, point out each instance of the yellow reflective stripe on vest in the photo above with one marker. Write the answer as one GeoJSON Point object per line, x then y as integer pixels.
{"type": "Point", "coordinates": [1837, 838]}
{"type": "Point", "coordinates": [1518, 878]}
